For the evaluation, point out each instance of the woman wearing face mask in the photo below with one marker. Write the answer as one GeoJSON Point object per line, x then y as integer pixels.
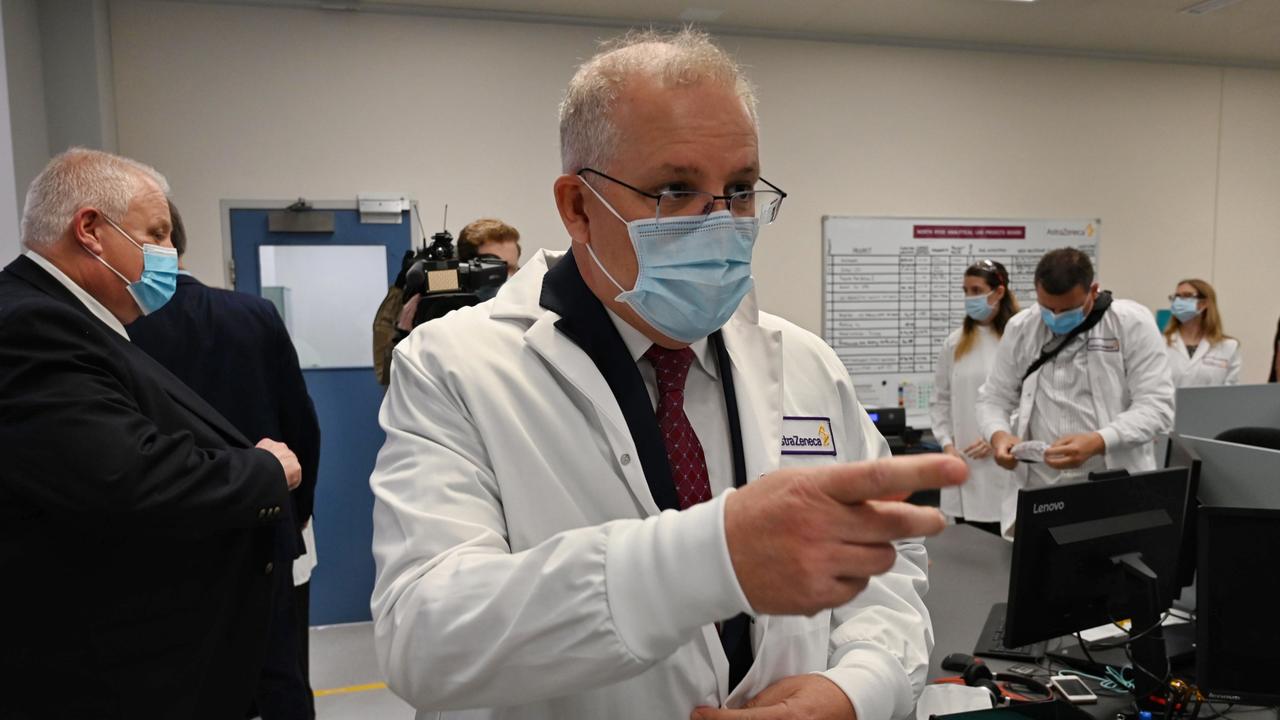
{"type": "Point", "coordinates": [1199, 354]}
{"type": "Point", "coordinates": [961, 369]}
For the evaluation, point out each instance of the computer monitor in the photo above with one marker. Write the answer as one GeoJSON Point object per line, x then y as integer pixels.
{"type": "Point", "coordinates": [1207, 411]}
{"type": "Point", "coordinates": [1181, 453]}
{"type": "Point", "coordinates": [1233, 475]}
{"type": "Point", "coordinates": [890, 420]}
{"type": "Point", "coordinates": [1086, 554]}
{"type": "Point", "coordinates": [1238, 630]}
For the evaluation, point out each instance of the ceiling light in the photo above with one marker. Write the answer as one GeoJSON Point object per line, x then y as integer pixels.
{"type": "Point", "coordinates": [1204, 7]}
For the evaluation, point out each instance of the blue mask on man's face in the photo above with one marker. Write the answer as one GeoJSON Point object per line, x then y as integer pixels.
{"type": "Point", "coordinates": [159, 278]}
{"type": "Point", "coordinates": [693, 271]}
{"type": "Point", "coordinates": [1063, 322]}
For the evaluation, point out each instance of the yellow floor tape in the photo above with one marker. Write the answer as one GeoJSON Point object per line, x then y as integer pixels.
{"type": "Point", "coordinates": [351, 689]}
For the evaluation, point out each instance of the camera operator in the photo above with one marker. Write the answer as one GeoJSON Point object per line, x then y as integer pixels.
{"type": "Point", "coordinates": [488, 253]}
{"type": "Point", "coordinates": [489, 236]}
{"type": "Point", "coordinates": [440, 280]}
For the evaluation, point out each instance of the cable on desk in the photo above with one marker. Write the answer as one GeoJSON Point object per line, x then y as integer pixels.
{"type": "Point", "coordinates": [1216, 712]}
{"type": "Point", "coordinates": [1115, 685]}
{"type": "Point", "coordinates": [1130, 635]}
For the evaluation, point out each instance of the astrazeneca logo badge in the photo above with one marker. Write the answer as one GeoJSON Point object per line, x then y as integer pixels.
{"type": "Point", "coordinates": [1048, 507]}
{"type": "Point", "coordinates": [807, 436]}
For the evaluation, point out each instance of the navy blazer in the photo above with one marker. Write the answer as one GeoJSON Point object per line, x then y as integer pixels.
{"type": "Point", "coordinates": [136, 525]}
{"type": "Point", "coordinates": [233, 349]}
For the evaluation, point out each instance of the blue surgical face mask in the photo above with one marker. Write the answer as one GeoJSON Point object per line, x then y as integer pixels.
{"type": "Point", "coordinates": [1185, 309]}
{"type": "Point", "coordinates": [1062, 323]}
{"type": "Point", "coordinates": [977, 308]}
{"type": "Point", "coordinates": [159, 273]}
{"type": "Point", "coordinates": [693, 271]}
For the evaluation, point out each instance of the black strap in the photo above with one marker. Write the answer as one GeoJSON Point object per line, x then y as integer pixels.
{"type": "Point", "coordinates": [735, 633]}
{"type": "Point", "coordinates": [731, 409]}
{"type": "Point", "coordinates": [1055, 346]}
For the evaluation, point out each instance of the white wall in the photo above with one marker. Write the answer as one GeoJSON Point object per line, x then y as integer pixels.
{"type": "Point", "coordinates": [25, 78]}
{"type": "Point", "coordinates": [76, 57]}
{"type": "Point", "coordinates": [1179, 161]}
{"type": "Point", "coordinates": [1247, 257]}
{"type": "Point", "coordinates": [9, 237]}
{"type": "Point", "coordinates": [57, 92]}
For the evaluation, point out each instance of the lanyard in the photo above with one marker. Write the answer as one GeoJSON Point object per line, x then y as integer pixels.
{"type": "Point", "coordinates": [731, 408]}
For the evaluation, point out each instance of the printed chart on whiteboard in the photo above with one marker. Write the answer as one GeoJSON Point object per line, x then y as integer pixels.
{"type": "Point", "coordinates": [892, 292]}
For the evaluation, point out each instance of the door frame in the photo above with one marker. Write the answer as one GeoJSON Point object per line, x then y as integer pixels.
{"type": "Point", "coordinates": [339, 604]}
{"type": "Point", "coordinates": [226, 206]}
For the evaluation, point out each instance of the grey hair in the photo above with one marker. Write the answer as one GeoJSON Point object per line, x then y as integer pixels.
{"type": "Point", "coordinates": [76, 179]}
{"type": "Point", "coordinates": [588, 135]}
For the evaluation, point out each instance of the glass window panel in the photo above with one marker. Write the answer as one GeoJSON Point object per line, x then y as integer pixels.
{"type": "Point", "coordinates": [327, 295]}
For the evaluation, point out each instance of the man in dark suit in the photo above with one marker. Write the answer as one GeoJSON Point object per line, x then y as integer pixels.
{"type": "Point", "coordinates": [233, 349]}
{"type": "Point", "coordinates": [135, 521]}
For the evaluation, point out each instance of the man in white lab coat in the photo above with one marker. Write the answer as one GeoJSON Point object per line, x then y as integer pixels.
{"type": "Point", "coordinates": [564, 526]}
{"type": "Point", "coordinates": [1094, 388]}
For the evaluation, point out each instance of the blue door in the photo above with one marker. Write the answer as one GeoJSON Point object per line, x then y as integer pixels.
{"type": "Point", "coordinates": [327, 285]}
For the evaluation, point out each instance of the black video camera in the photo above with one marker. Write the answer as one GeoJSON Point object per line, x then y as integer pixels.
{"type": "Point", "coordinates": [447, 283]}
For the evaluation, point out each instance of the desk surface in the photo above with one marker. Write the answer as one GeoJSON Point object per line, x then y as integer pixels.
{"type": "Point", "coordinates": [968, 572]}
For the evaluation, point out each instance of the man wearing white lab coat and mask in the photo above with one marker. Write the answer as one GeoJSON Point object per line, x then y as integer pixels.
{"type": "Point", "coordinates": [1082, 373]}
{"type": "Point", "coordinates": [563, 523]}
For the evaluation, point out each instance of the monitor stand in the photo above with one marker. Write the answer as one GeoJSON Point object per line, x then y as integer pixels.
{"type": "Point", "coordinates": [1151, 663]}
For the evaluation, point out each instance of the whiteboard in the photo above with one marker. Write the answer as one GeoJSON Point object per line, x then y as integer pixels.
{"type": "Point", "coordinates": [891, 291]}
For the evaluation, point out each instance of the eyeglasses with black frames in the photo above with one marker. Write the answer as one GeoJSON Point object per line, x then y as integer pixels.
{"type": "Point", "coordinates": [763, 204]}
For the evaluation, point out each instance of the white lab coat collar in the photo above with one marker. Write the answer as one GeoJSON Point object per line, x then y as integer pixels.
{"type": "Point", "coordinates": [98, 309]}
{"type": "Point", "coordinates": [1201, 350]}
{"type": "Point", "coordinates": [755, 352]}
{"type": "Point", "coordinates": [637, 344]}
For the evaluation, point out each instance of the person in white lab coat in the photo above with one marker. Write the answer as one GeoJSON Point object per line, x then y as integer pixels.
{"type": "Point", "coordinates": [962, 367]}
{"type": "Point", "coordinates": [1199, 353]}
{"type": "Point", "coordinates": [1098, 398]}
{"type": "Point", "coordinates": [563, 523]}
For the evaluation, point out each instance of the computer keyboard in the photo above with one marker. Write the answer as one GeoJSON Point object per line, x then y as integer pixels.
{"type": "Point", "coordinates": [991, 641]}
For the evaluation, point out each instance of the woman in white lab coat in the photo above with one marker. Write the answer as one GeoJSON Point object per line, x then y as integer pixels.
{"type": "Point", "coordinates": [962, 367]}
{"type": "Point", "coordinates": [1199, 354]}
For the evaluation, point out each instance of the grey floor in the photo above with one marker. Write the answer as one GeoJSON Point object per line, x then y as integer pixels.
{"type": "Point", "coordinates": [346, 679]}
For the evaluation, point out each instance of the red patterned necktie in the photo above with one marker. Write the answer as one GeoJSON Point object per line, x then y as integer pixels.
{"type": "Point", "coordinates": [684, 452]}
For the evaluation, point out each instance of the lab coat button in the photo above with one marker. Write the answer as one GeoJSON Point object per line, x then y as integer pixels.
{"type": "Point", "coordinates": [625, 459]}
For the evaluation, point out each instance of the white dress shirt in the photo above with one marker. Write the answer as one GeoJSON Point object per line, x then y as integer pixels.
{"type": "Point", "coordinates": [89, 301]}
{"type": "Point", "coordinates": [1064, 406]}
{"type": "Point", "coordinates": [703, 400]}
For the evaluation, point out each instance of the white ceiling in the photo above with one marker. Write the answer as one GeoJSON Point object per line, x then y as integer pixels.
{"type": "Point", "coordinates": [1245, 34]}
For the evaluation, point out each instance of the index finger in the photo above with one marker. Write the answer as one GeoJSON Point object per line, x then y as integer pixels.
{"type": "Point", "coordinates": [870, 480]}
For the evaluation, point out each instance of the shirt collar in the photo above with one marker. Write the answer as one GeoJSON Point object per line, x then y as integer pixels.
{"type": "Point", "coordinates": [89, 301]}
{"type": "Point", "coordinates": [637, 344]}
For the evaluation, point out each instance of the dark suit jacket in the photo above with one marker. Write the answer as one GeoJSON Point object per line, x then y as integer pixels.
{"type": "Point", "coordinates": [234, 351]}
{"type": "Point", "coordinates": [135, 525]}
